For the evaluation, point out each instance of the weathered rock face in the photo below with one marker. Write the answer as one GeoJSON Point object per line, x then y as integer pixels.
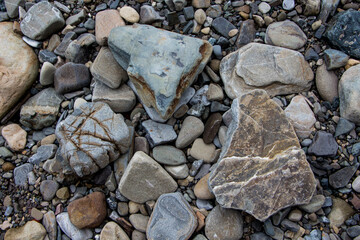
{"type": "Point", "coordinates": [92, 137]}
{"type": "Point", "coordinates": [174, 62]}
{"type": "Point", "coordinates": [276, 70]}
{"type": "Point", "coordinates": [18, 67]}
{"type": "Point", "coordinates": [262, 168]}
{"type": "Point", "coordinates": [173, 212]}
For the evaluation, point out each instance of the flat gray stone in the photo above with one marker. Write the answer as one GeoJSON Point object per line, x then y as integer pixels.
{"type": "Point", "coordinates": [48, 189]}
{"type": "Point", "coordinates": [314, 205]}
{"type": "Point", "coordinates": [43, 153]}
{"type": "Point", "coordinates": [191, 129]}
{"type": "Point", "coordinates": [174, 62]}
{"type": "Point", "coordinates": [172, 218]}
{"type": "Point", "coordinates": [169, 155]}
{"type": "Point", "coordinates": [41, 21]}
{"type": "Point", "coordinates": [158, 133]}
{"type": "Point", "coordinates": [21, 172]}
{"type": "Point", "coordinates": [50, 224]}
{"type": "Point", "coordinates": [178, 172]}
{"type": "Point", "coordinates": [12, 7]}
{"type": "Point", "coordinates": [70, 230]}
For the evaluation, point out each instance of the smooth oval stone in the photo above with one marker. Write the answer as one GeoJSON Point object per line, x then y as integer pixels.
{"type": "Point", "coordinates": [71, 77]}
{"type": "Point", "coordinates": [335, 59]}
{"type": "Point", "coordinates": [112, 231]}
{"type": "Point", "coordinates": [169, 155]}
{"type": "Point", "coordinates": [191, 129]}
{"type": "Point", "coordinates": [212, 126]}
{"type": "Point", "coordinates": [31, 230]}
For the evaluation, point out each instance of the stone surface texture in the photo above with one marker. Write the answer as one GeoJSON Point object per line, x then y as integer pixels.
{"type": "Point", "coordinates": [70, 230]}
{"type": "Point", "coordinates": [105, 21]}
{"type": "Point", "coordinates": [112, 231]}
{"type": "Point", "coordinates": [15, 136]}
{"type": "Point", "coordinates": [32, 230]}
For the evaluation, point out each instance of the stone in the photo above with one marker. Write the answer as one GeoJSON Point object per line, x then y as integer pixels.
{"type": "Point", "coordinates": [47, 74]}
{"type": "Point", "coordinates": [201, 3]}
{"type": "Point", "coordinates": [161, 82]}
{"type": "Point", "coordinates": [335, 59]}
{"type": "Point", "coordinates": [289, 225]}
{"type": "Point", "coordinates": [215, 92]}
{"type": "Point", "coordinates": [200, 97]}
{"type": "Point", "coordinates": [342, 177]}
{"type": "Point", "coordinates": [48, 189]}
{"type": "Point", "coordinates": [176, 222]}
{"type": "Point", "coordinates": [32, 230]}
{"type": "Point", "coordinates": [212, 126]}
{"type": "Point", "coordinates": [191, 129]}
{"type": "Point", "coordinates": [44, 152]}
{"type": "Point", "coordinates": [295, 215]}
{"type": "Point", "coordinates": [200, 16]}
{"type": "Point", "coordinates": [36, 214]}
{"type": "Point", "coordinates": [353, 231]}
{"type": "Point", "coordinates": [89, 211]}
{"type": "Point", "coordinates": [356, 184]}
{"type": "Point", "coordinates": [282, 71]}
{"type": "Point", "coordinates": [78, 102]}
{"type": "Point", "coordinates": [21, 172]}
{"type": "Point", "coordinates": [12, 7]}
{"type": "Point", "coordinates": [92, 137]}
{"type": "Point", "coordinates": [201, 189]}
{"type": "Point", "coordinates": [301, 116]}
{"type": "Point", "coordinates": [139, 222]}
{"type": "Point", "coordinates": [246, 34]}
{"type": "Point", "coordinates": [285, 34]}
{"type": "Point", "coordinates": [214, 11]}
{"type": "Point", "coordinates": [341, 32]}
{"type": "Point", "coordinates": [323, 145]}
{"type": "Point", "coordinates": [221, 218]}
{"type": "Point", "coordinates": [222, 26]}
{"type": "Point", "coordinates": [264, 7]}
{"type": "Point", "coordinates": [63, 193]}
{"type": "Point", "coordinates": [349, 89]}
{"type": "Point", "coordinates": [18, 68]}
{"type": "Point", "coordinates": [314, 205]}
{"type": "Point", "coordinates": [312, 7]}
{"type": "Point", "coordinates": [105, 21]}
{"type": "Point", "coordinates": [74, 20]}
{"type": "Point", "coordinates": [158, 133]}
{"type": "Point", "coordinates": [41, 21]}
{"type": "Point", "coordinates": [288, 5]}
{"type": "Point", "coordinates": [71, 77]}
{"type": "Point", "coordinates": [168, 155]}
{"type": "Point", "coordinates": [50, 224]}
{"type": "Point", "coordinates": [106, 70]}
{"type": "Point", "coordinates": [141, 144]}
{"type": "Point", "coordinates": [15, 136]}
{"type": "Point", "coordinates": [355, 151]}
{"type": "Point", "coordinates": [119, 100]}
{"type": "Point", "coordinates": [41, 110]}
{"type": "Point", "coordinates": [112, 231]}
{"type": "Point", "coordinates": [343, 127]}
{"type": "Point", "coordinates": [70, 230]}
{"type": "Point", "coordinates": [144, 179]}
{"type": "Point", "coordinates": [203, 151]}
{"type": "Point", "coordinates": [248, 178]}
{"type": "Point", "coordinates": [149, 15]}
{"type": "Point", "coordinates": [129, 14]}
{"type": "Point", "coordinates": [340, 212]}
{"type": "Point", "coordinates": [178, 172]}
{"type": "Point", "coordinates": [326, 83]}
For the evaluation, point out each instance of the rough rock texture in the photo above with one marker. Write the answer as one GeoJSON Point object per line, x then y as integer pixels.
{"type": "Point", "coordinates": [265, 171]}
{"type": "Point", "coordinates": [144, 179]}
{"type": "Point", "coordinates": [41, 21]}
{"type": "Point", "coordinates": [92, 137]}
{"type": "Point", "coordinates": [349, 93]}
{"type": "Point", "coordinates": [277, 70]}
{"type": "Point", "coordinates": [32, 230]}
{"type": "Point", "coordinates": [18, 67]}
{"type": "Point", "coordinates": [161, 81]}
{"type": "Point", "coordinates": [173, 212]}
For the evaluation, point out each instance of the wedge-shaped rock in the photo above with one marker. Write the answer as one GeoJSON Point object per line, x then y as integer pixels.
{"type": "Point", "coordinates": [277, 70]}
{"type": "Point", "coordinates": [172, 63]}
{"type": "Point", "coordinates": [262, 168]}
{"type": "Point", "coordinates": [92, 137]}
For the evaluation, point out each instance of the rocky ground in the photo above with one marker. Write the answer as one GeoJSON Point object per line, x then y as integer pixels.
{"type": "Point", "coordinates": [240, 121]}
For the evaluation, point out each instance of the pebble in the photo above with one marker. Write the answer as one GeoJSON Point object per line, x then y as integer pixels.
{"type": "Point", "coordinates": [70, 230]}
{"type": "Point", "coordinates": [214, 93]}
{"type": "Point", "coordinates": [201, 189]}
{"type": "Point", "coordinates": [295, 215]}
{"type": "Point", "coordinates": [129, 14]}
{"type": "Point", "coordinates": [200, 16]}
{"type": "Point", "coordinates": [43, 153]}
{"type": "Point", "coordinates": [342, 177]}
{"type": "Point", "coordinates": [340, 212]}
{"type": "Point", "coordinates": [323, 144]}
{"type": "Point", "coordinates": [288, 5]}
{"type": "Point", "coordinates": [48, 189]}
{"type": "Point", "coordinates": [222, 26]}
{"type": "Point", "coordinates": [148, 15]}
{"type": "Point", "coordinates": [15, 136]}
{"type": "Point", "coordinates": [335, 59]}
{"type": "Point", "coordinates": [36, 214]}
{"type": "Point", "coordinates": [191, 129]}
{"type": "Point", "coordinates": [315, 204]}
{"type": "Point", "coordinates": [20, 174]}
{"type": "Point", "coordinates": [178, 172]}
{"type": "Point", "coordinates": [212, 126]}
{"type": "Point", "coordinates": [50, 224]}
{"type": "Point", "coordinates": [201, 3]}
{"type": "Point", "coordinates": [169, 155]}
{"type": "Point", "coordinates": [63, 193]}
{"type": "Point", "coordinates": [31, 230]}
{"type": "Point", "coordinates": [139, 222]}
{"type": "Point", "coordinates": [327, 83]}
{"type": "Point", "coordinates": [105, 21]}
{"type": "Point", "coordinates": [158, 133]}
{"type": "Point", "coordinates": [112, 231]}
{"type": "Point", "coordinates": [356, 184]}
{"type": "Point", "coordinates": [343, 127]}
{"type": "Point", "coordinates": [74, 20]}
{"type": "Point", "coordinates": [264, 7]}
{"type": "Point", "coordinates": [203, 151]}
{"type": "Point", "coordinates": [47, 74]}
{"type": "Point", "coordinates": [71, 77]}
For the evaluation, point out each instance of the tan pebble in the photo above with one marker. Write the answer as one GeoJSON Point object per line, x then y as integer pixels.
{"type": "Point", "coordinates": [351, 62]}
{"type": "Point", "coordinates": [233, 32]}
{"type": "Point", "coordinates": [48, 139]}
{"type": "Point", "coordinates": [244, 15]}
{"type": "Point", "coordinates": [15, 136]}
{"type": "Point", "coordinates": [63, 193]}
{"type": "Point", "coordinates": [201, 189]}
{"type": "Point", "coordinates": [201, 221]}
{"type": "Point", "coordinates": [316, 25]}
{"type": "Point", "coordinates": [205, 30]}
{"type": "Point", "coordinates": [129, 14]}
{"type": "Point", "coordinates": [7, 166]}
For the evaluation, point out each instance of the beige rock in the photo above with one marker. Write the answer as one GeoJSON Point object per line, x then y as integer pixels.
{"type": "Point", "coordinates": [201, 3]}
{"type": "Point", "coordinates": [205, 30]}
{"type": "Point", "coordinates": [340, 212]}
{"type": "Point", "coordinates": [326, 83]}
{"type": "Point", "coordinates": [15, 136]}
{"type": "Point", "coordinates": [200, 16]}
{"type": "Point", "coordinates": [191, 129]}
{"type": "Point", "coordinates": [201, 189]}
{"type": "Point", "coordinates": [129, 14]}
{"type": "Point", "coordinates": [201, 150]}
{"type": "Point", "coordinates": [18, 67]}
{"type": "Point", "coordinates": [32, 230]}
{"type": "Point", "coordinates": [312, 7]}
{"type": "Point", "coordinates": [233, 32]}
{"type": "Point", "coordinates": [105, 21]}
{"type": "Point", "coordinates": [112, 231]}
{"type": "Point", "coordinates": [215, 93]}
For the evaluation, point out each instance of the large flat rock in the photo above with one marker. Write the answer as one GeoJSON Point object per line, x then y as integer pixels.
{"type": "Point", "coordinates": [173, 62]}
{"type": "Point", "coordinates": [262, 168]}
{"type": "Point", "coordinates": [277, 70]}
{"type": "Point", "coordinates": [18, 67]}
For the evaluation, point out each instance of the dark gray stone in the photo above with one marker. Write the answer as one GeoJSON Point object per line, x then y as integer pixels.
{"type": "Point", "coordinates": [189, 13]}
{"type": "Point", "coordinates": [48, 189]}
{"type": "Point", "coordinates": [335, 59]}
{"type": "Point", "coordinates": [71, 77]}
{"type": "Point", "coordinates": [148, 15]}
{"type": "Point", "coordinates": [222, 26]}
{"type": "Point", "coordinates": [60, 50]}
{"type": "Point", "coordinates": [47, 56]}
{"type": "Point", "coordinates": [353, 231]}
{"type": "Point", "coordinates": [342, 177]}
{"type": "Point", "coordinates": [269, 228]}
{"type": "Point", "coordinates": [43, 153]}
{"type": "Point", "coordinates": [324, 145]}
{"type": "Point", "coordinates": [246, 33]}
{"type": "Point", "coordinates": [355, 151]}
{"type": "Point", "coordinates": [328, 7]}
{"type": "Point", "coordinates": [289, 225]}
{"type": "Point", "coordinates": [20, 174]}
{"type": "Point", "coordinates": [344, 126]}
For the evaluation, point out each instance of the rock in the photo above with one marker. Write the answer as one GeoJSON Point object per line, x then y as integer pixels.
{"type": "Point", "coordinates": [328, 7]}
{"type": "Point", "coordinates": [107, 70]}
{"type": "Point", "coordinates": [343, 127]}
{"type": "Point", "coordinates": [171, 71]}
{"type": "Point", "coordinates": [264, 7]}
{"type": "Point", "coordinates": [342, 177]}
{"type": "Point", "coordinates": [340, 212]}
{"type": "Point", "coordinates": [201, 3]}
{"type": "Point", "coordinates": [200, 16]}
{"type": "Point", "coordinates": [288, 5]}
{"type": "Point", "coordinates": [191, 129]}
{"type": "Point", "coordinates": [44, 152]}
{"type": "Point", "coordinates": [144, 179]}
{"type": "Point", "coordinates": [168, 155]}
{"type": "Point", "coordinates": [41, 110]}
{"type": "Point", "coordinates": [18, 68]}
{"type": "Point", "coordinates": [178, 172]}
{"type": "Point", "coordinates": [203, 151]}
{"type": "Point", "coordinates": [49, 222]}
{"type": "Point", "coordinates": [119, 100]}
{"type": "Point", "coordinates": [246, 34]}
{"type": "Point", "coordinates": [41, 21]}
{"type": "Point", "coordinates": [335, 59]}
{"type": "Point", "coordinates": [78, 102]}
{"type": "Point", "coordinates": [215, 93]}
{"type": "Point", "coordinates": [20, 174]}
{"type": "Point", "coordinates": [148, 15]}
{"type": "Point", "coordinates": [12, 7]}
{"type": "Point", "coordinates": [341, 32]}
{"type": "Point", "coordinates": [104, 22]}
{"type": "Point", "coordinates": [282, 71]}
{"type": "Point", "coordinates": [356, 184]}
{"type": "Point", "coordinates": [129, 14]}
{"type": "Point", "coordinates": [112, 231]}
{"type": "Point", "coordinates": [349, 89]}
{"type": "Point", "coordinates": [221, 218]}
{"type": "Point", "coordinates": [355, 151]}
{"type": "Point", "coordinates": [353, 231]}
{"type": "Point", "coordinates": [71, 77]}
{"type": "Point", "coordinates": [222, 26]}
{"type": "Point", "coordinates": [76, 19]}
{"type": "Point", "coordinates": [63, 193]}
{"type": "Point", "coordinates": [200, 97]}
{"type": "Point", "coordinates": [15, 136]}
{"type": "Point", "coordinates": [214, 11]}
{"type": "Point", "coordinates": [314, 205]}
{"type": "Point", "coordinates": [47, 74]}
{"type": "Point", "coordinates": [301, 116]}
{"type": "Point", "coordinates": [201, 189]}
{"type": "Point", "coordinates": [36, 214]}
{"type": "Point", "coordinates": [158, 133]}
{"type": "Point", "coordinates": [273, 166]}
{"type": "Point", "coordinates": [89, 211]}
{"type": "Point", "coordinates": [32, 230]}
{"type": "Point", "coordinates": [312, 7]}
{"type": "Point", "coordinates": [92, 137]}
{"type": "Point", "coordinates": [139, 222]}
{"type": "Point", "coordinates": [295, 215]}
{"type": "Point", "coordinates": [48, 189]}
{"type": "Point", "coordinates": [326, 83]}
{"type": "Point", "coordinates": [62, 47]}
{"type": "Point", "coordinates": [175, 222]}
{"type": "Point", "coordinates": [212, 126]}
{"type": "Point", "coordinates": [285, 34]}
{"type": "Point", "coordinates": [323, 145]}
{"type": "Point", "coordinates": [289, 225]}
{"type": "Point", "coordinates": [70, 230]}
